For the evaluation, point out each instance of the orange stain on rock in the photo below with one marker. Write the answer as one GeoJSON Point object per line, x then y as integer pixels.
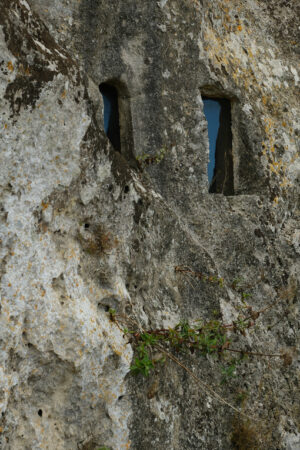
{"type": "Point", "coordinates": [44, 206]}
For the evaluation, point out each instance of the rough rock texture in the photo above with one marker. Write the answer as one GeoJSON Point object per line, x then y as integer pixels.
{"type": "Point", "coordinates": [84, 228]}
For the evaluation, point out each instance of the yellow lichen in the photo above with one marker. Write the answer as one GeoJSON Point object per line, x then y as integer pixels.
{"type": "Point", "coordinates": [10, 66]}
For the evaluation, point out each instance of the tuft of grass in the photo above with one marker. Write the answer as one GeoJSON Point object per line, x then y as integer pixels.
{"type": "Point", "coordinates": [246, 435]}
{"type": "Point", "coordinates": [99, 242]}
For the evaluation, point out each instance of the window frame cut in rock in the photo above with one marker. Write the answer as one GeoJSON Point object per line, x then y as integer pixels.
{"type": "Point", "coordinates": [223, 177]}
{"type": "Point", "coordinates": [119, 131]}
{"type": "Point", "coordinates": [111, 114]}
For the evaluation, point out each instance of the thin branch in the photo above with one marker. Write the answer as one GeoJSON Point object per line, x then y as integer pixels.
{"type": "Point", "coordinates": [205, 388]}
{"type": "Point", "coordinates": [272, 355]}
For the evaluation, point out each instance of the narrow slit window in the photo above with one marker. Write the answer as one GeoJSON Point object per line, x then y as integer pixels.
{"type": "Point", "coordinates": [111, 114]}
{"type": "Point", "coordinates": [220, 167]}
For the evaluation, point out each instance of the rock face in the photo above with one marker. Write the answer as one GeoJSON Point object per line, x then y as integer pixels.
{"type": "Point", "coordinates": [85, 228]}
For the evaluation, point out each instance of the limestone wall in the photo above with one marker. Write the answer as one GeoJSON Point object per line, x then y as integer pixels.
{"type": "Point", "coordinates": [85, 228]}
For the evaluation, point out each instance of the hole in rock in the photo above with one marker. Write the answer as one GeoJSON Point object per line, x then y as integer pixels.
{"type": "Point", "coordinates": [40, 412]}
{"type": "Point", "coordinates": [126, 189]}
{"type": "Point", "coordinates": [111, 114]}
{"type": "Point", "coordinates": [220, 167]}
{"type": "Point", "coordinates": [86, 226]}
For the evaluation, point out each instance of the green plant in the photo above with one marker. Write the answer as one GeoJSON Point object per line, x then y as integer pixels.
{"type": "Point", "coordinates": [209, 337]}
{"type": "Point", "coordinates": [143, 363]}
{"type": "Point", "coordinates": [112, 314]}
{"type": "Point", "coordinates": [145, 159]}
{"type": "Point", "coordinates": [228, 372]}
{"type": "Point", "coordinates": [206, 338]}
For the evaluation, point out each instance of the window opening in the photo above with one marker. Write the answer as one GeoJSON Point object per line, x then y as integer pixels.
{"type": "Point", "coordinates": [220, 166]}
{"type": "Point", "coordinates": [212, 109]}
{"type": "Point", "coordinates": [111, 114]}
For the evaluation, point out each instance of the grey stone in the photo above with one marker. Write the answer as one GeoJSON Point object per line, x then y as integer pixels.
{"type": "Point", "coordinates": [85, 228]}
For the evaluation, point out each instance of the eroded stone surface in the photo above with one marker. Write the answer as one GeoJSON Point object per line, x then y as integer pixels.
{"type": "Point", "coordinates": [59, 351]}
{"type": "Point", "coordinates": [84, 229]}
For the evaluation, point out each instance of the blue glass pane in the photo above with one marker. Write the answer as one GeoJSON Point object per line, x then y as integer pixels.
{"type": "Point", "coordinates": [111, 114]}
{"type": "Point", "coordinates": [107, 111]}
{"type": "Point", "coordinates": [212, 109]}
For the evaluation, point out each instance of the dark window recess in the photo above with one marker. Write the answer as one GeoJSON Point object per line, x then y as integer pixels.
{"type": "Point", "coordinates": [220, 167]}
{"type": "Point", "coordinates": [111, 114]}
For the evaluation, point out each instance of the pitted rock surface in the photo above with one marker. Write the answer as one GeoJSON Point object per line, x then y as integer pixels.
{"type": "Point", "coordinates": [85, 228]}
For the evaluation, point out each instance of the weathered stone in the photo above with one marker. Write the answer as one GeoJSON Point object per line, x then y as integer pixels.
{"type": "Point", "coordinates": [85, 228]}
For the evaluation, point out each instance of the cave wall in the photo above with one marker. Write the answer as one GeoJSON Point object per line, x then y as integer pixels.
{"type": "Point", "coordinates": [85, 228]}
